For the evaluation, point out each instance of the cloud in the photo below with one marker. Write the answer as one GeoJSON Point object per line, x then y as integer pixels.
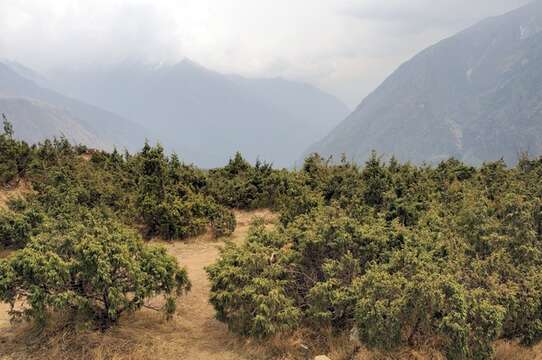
{"type": "Point", "coordinates": [344, 46]}
{"type": "Point", "coordinates": [426, 13]}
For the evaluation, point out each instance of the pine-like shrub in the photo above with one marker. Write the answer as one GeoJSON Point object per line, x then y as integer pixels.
{"type": "Point", "coordinates": [251, 288]}
{"type": "Point", "coordinates": [222, 220]}
{"type": "Point", "coordinates": [16, 228]}
{"type": "Point", "coordinates": [15, 155]}
{"type": "Point", "coordinates": [94, 271]}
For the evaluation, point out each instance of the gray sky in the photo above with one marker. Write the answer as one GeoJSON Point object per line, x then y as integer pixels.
{"type": "Point", "coordinates": [345, 47]}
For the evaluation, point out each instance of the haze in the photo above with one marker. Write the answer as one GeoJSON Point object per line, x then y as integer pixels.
{"type": "Point", "coordinates": [343, 47]}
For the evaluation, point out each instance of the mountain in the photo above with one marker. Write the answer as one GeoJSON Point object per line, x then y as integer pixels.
{"type": "Point", "coordinates": [38, 113]}
{"type": "Point", "coordinates": [26, 72]}
{"type": "Point", "coordinates": [189, 106]}
{"type": "Point", "coordinates": [35, 121]}
{"type": "Point", "coordinates": [476, 96]}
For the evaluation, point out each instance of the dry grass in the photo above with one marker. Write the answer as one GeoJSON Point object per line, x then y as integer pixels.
{"type": "Point", "coordinates": [4, 317]}
{"type": "Point", "coordinates": [507, 350]}
{"type": "Point", "coordinates": [341, 347]}
{"type": "Point", "coordinates": [19, 190]}
{"type": "Point", "coordinates": [504, 350]}
{"type": "Point", "coordinates": [429, 354]}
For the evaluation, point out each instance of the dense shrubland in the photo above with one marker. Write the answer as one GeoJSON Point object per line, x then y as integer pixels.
{"type": "Point", "coordinates": [407, 256]}
{"type": "Point", "coordinates": [77, 253]}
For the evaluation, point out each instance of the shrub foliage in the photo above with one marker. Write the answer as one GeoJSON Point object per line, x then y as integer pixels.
{"type": "Point", "coordinates": [445, 254]}
{"type": "Point", "coordinates": [407, 255]}
{"type": "Point", "coordinates": [93, 271]}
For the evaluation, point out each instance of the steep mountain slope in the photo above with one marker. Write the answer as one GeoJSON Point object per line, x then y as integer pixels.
{"type": "Point", "coordinates": [312, 107]}
{"type": "Point", "coordinates": [48, 110]}
{"type": "Point", "coordinates": [26, 72]}
{"type": "Point", "coordinates": [188, 105]}
{"type": "Point", "coordinates": [476, 96]}
{"type": "Point", "coordinates": [35, 121]}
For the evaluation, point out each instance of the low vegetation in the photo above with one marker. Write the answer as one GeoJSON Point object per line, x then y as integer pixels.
{"type": "Point", "coordinates": [93, 271]}
{"type": "Point", "coordinates": [399, 256]}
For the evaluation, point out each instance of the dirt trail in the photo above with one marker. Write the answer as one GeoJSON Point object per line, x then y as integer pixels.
{"type": "Point", "coordinates": [193, 334]}
{"type": "Point", "coordinates": [4, 317]}
{"type": "Point", "coordinates": [206, 337]}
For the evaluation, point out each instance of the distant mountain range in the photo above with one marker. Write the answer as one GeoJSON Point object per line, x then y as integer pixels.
{"type": "Point", "coordinates": [38, 113]}
{"type": "Point", "coordinates": [35, 121]}
{"type": "Point", "coordinates": [202, 115]}
{"type": "Point", "coordinates": [476, 96]}
{"type": "Point", "coordinates": [188, 106]}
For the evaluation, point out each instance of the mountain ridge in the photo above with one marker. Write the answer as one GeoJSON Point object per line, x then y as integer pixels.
{"type": "Point", "coordinates": [188, 104]}
{"type": "Point", "coordinates": [107, 130]}
{"type": "Point", "coordinates": [458, 98]}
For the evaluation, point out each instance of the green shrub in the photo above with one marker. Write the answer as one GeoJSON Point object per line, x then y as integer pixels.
{"type": "Point", "coordinates": [177, 218]}
{"type": "Point", "coordinates": [15, 155]}
{"type": "Point", "coordinates": [308, 267]}
{"type": "Point", "coordinates": [394, 311]}
{"type": "Point", "coordinates": [250, 288]}
{"type": "Point", "coordinates": [376, 181]}
{"type": "Point", "coordinates": [298, 200]}
{"type": "Point", "coordinates": [243, 186]}
{"type": "Point", "coordinates": [170, 201]}
{"type": "Point", "coordinates": [456, 279]}
{"type": "Point", "coordinates": [222, 220]}
{"type": "Point", "coordinates": [17, 228]}
{"type": "Point", "coordinates": [95, 271]}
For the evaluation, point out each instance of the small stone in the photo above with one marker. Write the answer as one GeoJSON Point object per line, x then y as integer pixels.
{"type": "Point", "coordinates": [321, 357]}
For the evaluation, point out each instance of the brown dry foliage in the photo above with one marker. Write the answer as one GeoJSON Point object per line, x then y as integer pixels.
{"type": "Point", "coordinates": [507, 350]}
{"type": "Point", "coordinates": [18, 190]}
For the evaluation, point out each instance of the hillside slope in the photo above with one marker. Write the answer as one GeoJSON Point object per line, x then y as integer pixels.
{"type": "Point", "coordinates": [35, 121]}
{"type": "Point", "coordinates": [476, 96]}
{"type": "Point", "coordinates": [53, 114]}
{"type": "Point", "coordinates": [188, 105]}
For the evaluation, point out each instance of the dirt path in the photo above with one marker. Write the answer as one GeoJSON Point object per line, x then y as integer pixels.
{"type": "Point", "coordinates": [4, 317]}
{"type": "Point", "coordinates": [205, 337]}
{"type": "Point", "coordinates": [193, 334]}
{"type": "Point", "coordinates": [202, 336]}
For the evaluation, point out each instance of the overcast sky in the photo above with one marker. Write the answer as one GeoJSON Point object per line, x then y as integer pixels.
{"type": "Point", "coordinates": [345, 47]}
